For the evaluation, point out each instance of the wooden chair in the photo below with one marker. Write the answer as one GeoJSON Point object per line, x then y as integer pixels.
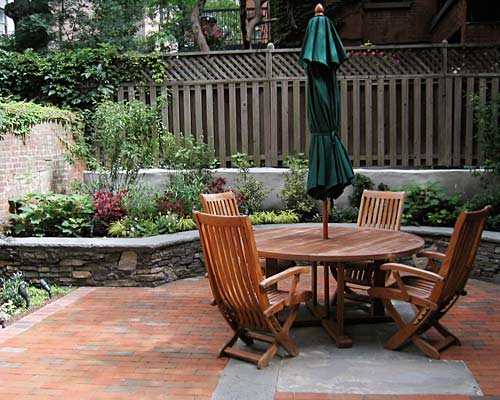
{"type": "Point", "coordinates": [226, 204]}
{"type": "Point", "coordinates": [377, 210]}
{"type": "Point", "coordinates": [433, 293]}
{"type": "Point", "coordinates": [247, 301]}
{"type": "Point", "coordinates": [220, 203]}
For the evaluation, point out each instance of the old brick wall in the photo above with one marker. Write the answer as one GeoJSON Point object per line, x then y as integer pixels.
{"type": "Point", "coordinates": [36, 163]}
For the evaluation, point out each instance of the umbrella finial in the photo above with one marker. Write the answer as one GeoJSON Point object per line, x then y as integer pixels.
{"type": "Point", "coordinates": [319, 10]}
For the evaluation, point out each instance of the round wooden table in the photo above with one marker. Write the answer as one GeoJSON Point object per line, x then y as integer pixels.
{"type": "Point", "coordinates": [344, 244]}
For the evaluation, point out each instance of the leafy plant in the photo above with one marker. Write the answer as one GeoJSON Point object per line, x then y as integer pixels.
{"type": "Point", "coordinates": [140, 202]}
{"type": "Point", "coordinates": [10, 291]}
{"type": "Point", "coordinates": [488, 197]}
{"type": "Point", "coordinates": [125, 139]}
{"type": "Point", "coordinates": [361, 182]}
{"type": "Point", "coordinates": [217, 186]}
{"type": "Point", "coordinates": [252, 190]}
{"type": "Point", "coordinates": [51, 214]}
{"type": "Point", "coordinates": [345, 215]}
{"type": "Point", "coordinates": [185, 188]}
{"type": "Point", "coordinates": [427, 204]}
{"type": "Point", "coordinates": [486, 116]}
{"type": "Point", "coordinates": [274, 217]}
{"type": "Point", "coordinates": [108, 209]}
{"type": "Point", "coordinates": [158, 225]}
{"type": "Point", "coordinates": [185, 153]}
{"type": "Point", "coordinates": [294, 192]}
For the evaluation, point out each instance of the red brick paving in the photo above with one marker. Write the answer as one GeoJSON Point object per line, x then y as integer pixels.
{"type": "Point", "coordinates": [162, 343]}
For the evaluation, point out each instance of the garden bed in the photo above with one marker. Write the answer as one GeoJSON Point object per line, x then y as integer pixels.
{"type": "Point", "coordinates": [156, 260]}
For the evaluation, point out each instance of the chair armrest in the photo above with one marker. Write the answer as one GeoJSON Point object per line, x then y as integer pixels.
{"type": "Point", "coordinates": [396, 267]}
{"type": "Point", "coordinates": [272, 280]}
{"type": "Point", "coordinates": [432, 254]}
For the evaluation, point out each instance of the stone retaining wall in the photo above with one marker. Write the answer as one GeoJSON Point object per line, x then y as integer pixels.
{"type": "Point", "coordinates": [160, 259]}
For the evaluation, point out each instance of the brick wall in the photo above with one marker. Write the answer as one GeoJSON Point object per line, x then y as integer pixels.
{"type": "Point", "coordinates": [35, 164]}
{"type": "Point", "coordinates": [482, 33]}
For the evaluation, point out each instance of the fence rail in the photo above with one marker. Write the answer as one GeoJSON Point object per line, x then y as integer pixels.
{"type": "Point", "coordinates": [254, 102]}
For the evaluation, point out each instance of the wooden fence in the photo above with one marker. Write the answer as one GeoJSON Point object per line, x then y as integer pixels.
{"type": "Point", "coordinates": [400, 106]}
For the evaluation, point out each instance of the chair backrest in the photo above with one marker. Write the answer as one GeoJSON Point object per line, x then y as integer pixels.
{"type": "Point", "coordinates": [461, 252]}
{"type": "Point", "coordinates": [381, 210]}
{"type": "Point", "coordinates": [233, 269]}
{"type": "Point", "coordinates": [220, 203]}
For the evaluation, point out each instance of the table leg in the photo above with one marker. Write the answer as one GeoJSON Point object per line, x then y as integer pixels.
{"type": "Point", "coordinates": [314, 282]}
{"type": "Point", "coordinates": [377, 307]}
{"type": "Point", "coordinates": [333, 327]}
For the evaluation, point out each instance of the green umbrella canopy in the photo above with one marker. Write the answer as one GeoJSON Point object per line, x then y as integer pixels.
{"type": "Point", "coordinates": [322, 53]}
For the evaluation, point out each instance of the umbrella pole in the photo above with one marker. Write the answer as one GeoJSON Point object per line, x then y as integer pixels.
{"type": "Point", "coordinates": [325, 218]}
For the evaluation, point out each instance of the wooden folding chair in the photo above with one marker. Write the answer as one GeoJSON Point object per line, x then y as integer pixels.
{"type": "Point", "coordinates": [220, 203]}
{"type": "Point", "coordinates": [377, 210]}
{"type": "Point", "coordinates": [247, 301]}
{"type": "Point", "coordinates": [433, 293]}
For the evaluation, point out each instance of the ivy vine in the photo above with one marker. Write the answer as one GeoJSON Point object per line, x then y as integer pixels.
{"type": "Point", "coordinates": [18, 118]}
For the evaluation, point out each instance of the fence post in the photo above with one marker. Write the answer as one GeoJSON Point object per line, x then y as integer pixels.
{"type": "Point", "coordinates": [268, 100]}
{"type": "Point", "coordinates": [444, 57]}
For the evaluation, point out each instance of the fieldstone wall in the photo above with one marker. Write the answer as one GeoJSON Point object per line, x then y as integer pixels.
{"type": "Point", "coordinates": [161, 259]}
{"type": "Point", "coordinates": [108, 264]}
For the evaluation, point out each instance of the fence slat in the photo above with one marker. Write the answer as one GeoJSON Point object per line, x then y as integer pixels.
{"type": "Point", "coordinates": [176, 120]}
{"type": "Point", "coordinates": [210, 116]}
{"type": "Point", "coordinates": [187, 110]}
{"type": "Point", "coordinates": [221, 125]}
{"type": "Point", "coordinates": [482, 99]}
{"type": "Point", "coordinates": [380, 123]}
{"type": "Point", "coordinates": [233, 133]}
{"type": "Point", "coordinates": [285, 134]}
{"type": "Point", "coordinates": [198, 112]}
{"type": "Point", "coordinates": [244, 117]}
{"type": "Point", "coordinates": [273, 115]}
{"type": "Point", "coordinates": [417, 122]}
{"type": "Point", "coordinates": [344, 113]}
{"type": "Point", "coordinates": [429, 121]}
{"type": "Point", "coordinates": [457, 123]}
{"type": "Point", "coordinates": [164, 110]}
{"type": "Point", "coordinates": [356, 122]}
{"type": "Point", "coordinates": [256, 123]}
{"type": "Point", "coordinates": [368, 123]}
{"type": "Point", "coordinates": [494, 94]}
{"type": "Point", "coordinates": [393, 132]}
{"type": "Point", "coordinates": [448, 123]}
{"type": "Point", "coordinates": [469, 122]}
{"type": "Point", "coordinates": [405, 131]}
{"type": "Point", "coordinates": [296, 116]}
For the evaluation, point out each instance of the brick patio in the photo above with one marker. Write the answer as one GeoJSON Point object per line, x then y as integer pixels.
{"type": "Point", "coordinates": [162, 343]}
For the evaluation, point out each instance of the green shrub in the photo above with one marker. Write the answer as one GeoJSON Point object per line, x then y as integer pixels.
{"type": "Point", "coordinates": [183, 192]}
{"type": "Point", "coordinates": [159, 225]}
{"type": "Point", "coordinates": [488, 197]}
{"type": "Point", "coordinates": [10, 292]}
{"type": "Point", "coordinates": [124, 139]}
{"type": "Point", "coordinates": [51, 214]}
{"type": "Point", "coordinates": [361, 182]}
{"type": "Point", "coordinates": [427, 204]}
{"type": "Point", "coordinates": [294, 192]}
{"type": "Point", "coordinates": [274, 217]}
{"type": "Point", "coordinates": [185, 153]}
{"type": "Point", "coordinates": [252, 190]}
{"type": "Point", "coordinates": [345, 215]}
{"type": "Point", "coordinates": [140, 202]}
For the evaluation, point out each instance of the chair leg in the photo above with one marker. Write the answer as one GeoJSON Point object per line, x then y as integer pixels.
{"type": "Point", "coordinates": [448, 337]}
{"type": "Point", "coordinates": [232, 340]}
{"type": "Point", "coordinates": [267, 356]}
{"type": "Point", "coordinates": [283, 337]}
{"type": "Point", "coordinates": [409, 331]}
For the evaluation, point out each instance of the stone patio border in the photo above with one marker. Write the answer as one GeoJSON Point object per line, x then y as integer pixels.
{"type": "Point", "coordinates": [156, 260]}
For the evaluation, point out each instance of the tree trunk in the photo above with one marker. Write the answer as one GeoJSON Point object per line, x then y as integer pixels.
{"type": "Point", "coordinates": [243, 23]}
{"type": "Point", "coordinates": [256, 20]}
{"type": "Point", "coordinates": [199, 37]}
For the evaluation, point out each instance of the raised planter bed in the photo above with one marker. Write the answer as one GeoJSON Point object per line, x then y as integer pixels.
{"type": "Point", "coordinates": [156, 260]}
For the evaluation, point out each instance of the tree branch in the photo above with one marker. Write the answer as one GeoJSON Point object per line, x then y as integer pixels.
{"type": "Point", "coordinates": [200, 38]}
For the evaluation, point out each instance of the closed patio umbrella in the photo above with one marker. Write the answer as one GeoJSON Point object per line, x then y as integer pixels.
{"type": "Point", "coordinates": [330, 170]}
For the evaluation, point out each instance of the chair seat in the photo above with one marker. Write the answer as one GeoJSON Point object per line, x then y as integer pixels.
{"type": "Point", "coordinates": [275, 295]}
{"type": "Point", "coordinates": [417, 286]}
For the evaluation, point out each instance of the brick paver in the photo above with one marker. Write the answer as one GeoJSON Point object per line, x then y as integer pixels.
{"type": "Point", "coordinates": [162, 343]}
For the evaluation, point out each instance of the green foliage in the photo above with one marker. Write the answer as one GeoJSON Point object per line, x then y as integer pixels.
{"type": "Point", "coordinates": [361, 182]}
{"type": "Point", "coordinates": [10, 291]}
{"type": "Point", "coordinates": [345, 215]}
{"type": "Point", "coordinates": [488, 197]}
{"type": "Point", "coordinates": [51, 214]}
{"type": "Point", "coordinates": [252, 190]}
{"type": "Point", "coordinates": [294, 193]}
{"type": "Point", "coordinates": [274, 217]}
{"type": "Point", "coordinates": [159, 225]}
{"type": "Point", "coordinates": [185, 153]}
{"type": "Point", "coordinates": [76, 79]}
{"type": "Point", "coordinates": [124, 139]}
{"type": "Point", "coordinates": [486, 119]}
{"type": "Point", "coordinates": [19, 117]}
{"type": "Point", "coordinates": [140, 202]}
{"type": "Point", "coordinates": [427, 204]}
{"type": "Point", "coordinates": [186, 187]}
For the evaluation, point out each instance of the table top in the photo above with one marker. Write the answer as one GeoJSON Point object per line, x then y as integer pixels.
{"type": "Point", "coordinates": [343, 244]}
